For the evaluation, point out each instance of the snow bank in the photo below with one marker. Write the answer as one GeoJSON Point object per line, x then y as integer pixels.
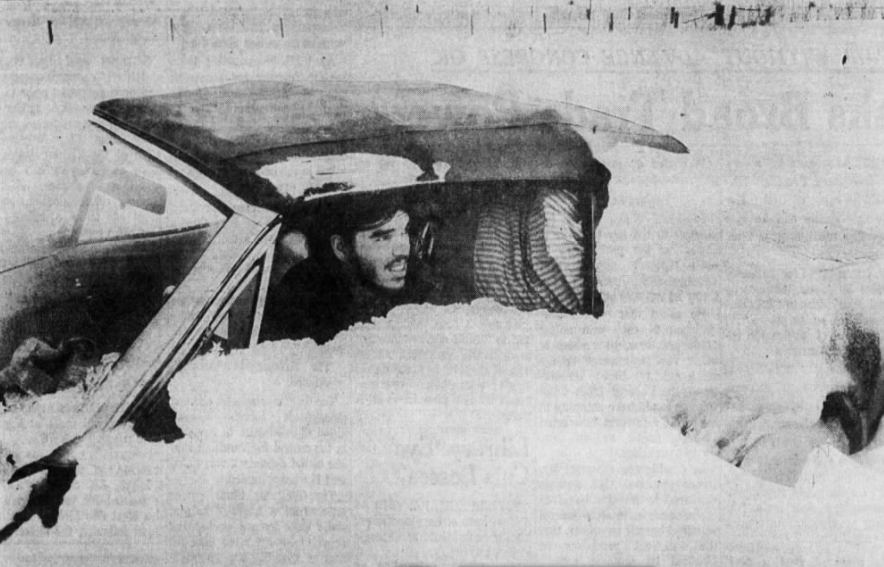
{"type": "Point", "coordinates": [35, 427]}
{"type": "Point", "coordinates": [437, 450]}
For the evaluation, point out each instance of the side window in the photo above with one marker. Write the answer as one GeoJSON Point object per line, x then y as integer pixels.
{"type": "Point", "coordinates": [235, 323]}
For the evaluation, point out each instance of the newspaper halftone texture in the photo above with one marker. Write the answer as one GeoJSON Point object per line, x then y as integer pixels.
{"type": "Point", "coordinates": [479, 434]}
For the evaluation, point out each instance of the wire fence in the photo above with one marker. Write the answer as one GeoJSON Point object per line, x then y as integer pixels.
{"type": "Point", "coordinates": [310, 25]}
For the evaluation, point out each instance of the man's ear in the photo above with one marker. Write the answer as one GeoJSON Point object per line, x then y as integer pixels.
{"type": "Point", "coordinates": [339, 247]}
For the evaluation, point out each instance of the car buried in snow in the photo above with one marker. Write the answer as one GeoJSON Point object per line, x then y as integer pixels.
{"type": "Point", "coordinates": [174, 244]}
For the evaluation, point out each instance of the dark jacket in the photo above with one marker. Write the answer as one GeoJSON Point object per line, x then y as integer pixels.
{"type": "Point", "coordinates": [317, 302]}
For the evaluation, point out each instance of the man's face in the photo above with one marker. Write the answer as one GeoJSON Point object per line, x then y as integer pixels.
{"type": "Point", "coordinates": [382, 252]}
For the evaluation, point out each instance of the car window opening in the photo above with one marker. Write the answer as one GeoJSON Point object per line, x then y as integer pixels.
{"type": "Point", "coordinates": [519, 243]}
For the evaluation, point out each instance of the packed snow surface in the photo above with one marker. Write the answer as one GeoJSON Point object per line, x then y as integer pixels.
{"type": "Point", "coordinates": [438, 450]}
{"type": "Point", "coordinates": [481, 435]}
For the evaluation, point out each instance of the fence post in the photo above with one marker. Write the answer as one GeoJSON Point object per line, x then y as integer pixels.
{"type": "Point", "coordinates": [49, 29]}
{"type": "Point", "coordinates": [281, 28]}
{"type": "Point", "coordinates": [733, 18]}
{"type": "Point", "coordinates": [719, 14]}
{"type": "Point", "coordinates": [544, 22]}
{"type": "Point", "coordinates": [611, 22]}
{"type": "Point", "coordinates": [172, 29]}
{"type": "Point", "coordinates": [471, 24]}
{"type": "Point", "coordinates": [675, 22]}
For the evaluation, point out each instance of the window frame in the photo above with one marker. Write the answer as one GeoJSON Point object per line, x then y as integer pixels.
{"type": "Point", "coordinates": [245, 240]}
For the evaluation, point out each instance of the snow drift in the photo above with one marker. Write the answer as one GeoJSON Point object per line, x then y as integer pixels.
{"type": "Point", "coordinates": [437, 450]}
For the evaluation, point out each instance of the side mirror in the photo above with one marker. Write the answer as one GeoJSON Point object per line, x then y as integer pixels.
{"type": "Point", "coordinates": [131, 189]}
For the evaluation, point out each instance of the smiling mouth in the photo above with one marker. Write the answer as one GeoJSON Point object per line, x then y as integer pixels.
{"type": "Point", "coordinates": [398, 266]}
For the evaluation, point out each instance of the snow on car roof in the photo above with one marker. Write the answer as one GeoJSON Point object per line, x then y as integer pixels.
{"type": "Point", "coordinates": [314, 177]}
{"type": "Point", "coordinates": [240, 128]}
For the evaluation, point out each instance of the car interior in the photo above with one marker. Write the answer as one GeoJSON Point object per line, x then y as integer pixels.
{"type": "Point", "coordinates": [443, 227]}
{"type": "Point", "coordinates": [102, 281]}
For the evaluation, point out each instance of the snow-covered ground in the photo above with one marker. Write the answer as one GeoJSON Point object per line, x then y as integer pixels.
{"type": "Point", "coordinates": [432, 437]}
{"type": "Point", "coordinates": [445, 447]}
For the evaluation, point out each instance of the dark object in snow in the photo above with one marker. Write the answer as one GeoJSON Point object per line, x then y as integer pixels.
{"type": "Point", "coordinates": [840, 407]}
{"type": "Point", "coordinates": [859, 409]}
{"type": "Point", "coordinates": [157, 423]}
{"type": "Point", "coordinates": [37, 368]}
{"type": "Point", "coordinates": [862, 359]}
{"type": "Point", "coordinates": [45, 500]}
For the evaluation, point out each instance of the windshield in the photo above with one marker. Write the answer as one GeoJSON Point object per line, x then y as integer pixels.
{"type": "Point", "coordinates": [90, 261]}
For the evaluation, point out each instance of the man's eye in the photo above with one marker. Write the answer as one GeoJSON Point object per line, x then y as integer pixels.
{"type": "Point", "coordinates": [388, 236]}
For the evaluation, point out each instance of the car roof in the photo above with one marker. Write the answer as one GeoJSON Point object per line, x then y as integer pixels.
{"type": "Point", "coordinates": [235, 132]}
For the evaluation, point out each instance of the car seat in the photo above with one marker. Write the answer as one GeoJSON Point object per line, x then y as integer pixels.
{"type": "Point", "coordinates": [291, 250]}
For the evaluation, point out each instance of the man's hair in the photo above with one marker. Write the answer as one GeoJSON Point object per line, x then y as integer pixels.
{"type": "Point", "coordinates": [347, 215]}
{"type": "Point", "coordinates": [359, 216]}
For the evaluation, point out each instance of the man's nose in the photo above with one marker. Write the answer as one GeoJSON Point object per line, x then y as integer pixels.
{"type": "Point", "coordinates": [402, 245]}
